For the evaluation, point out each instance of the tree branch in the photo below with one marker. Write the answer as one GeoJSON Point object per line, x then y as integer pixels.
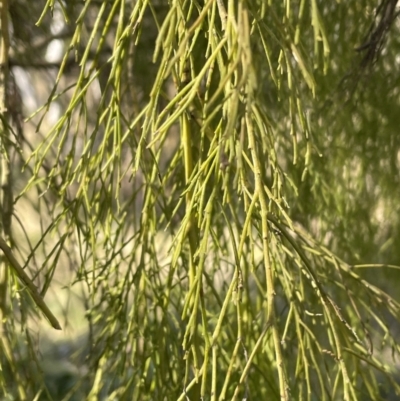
{"type": "Point", "coordinates": [28, 282]}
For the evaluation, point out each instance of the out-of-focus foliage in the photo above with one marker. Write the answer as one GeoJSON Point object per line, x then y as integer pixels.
{"type": "Point", "coordinates": [216, 185]}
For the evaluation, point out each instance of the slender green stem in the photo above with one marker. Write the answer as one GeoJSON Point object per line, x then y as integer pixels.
{"type": "Point", "coordinates": [31, 287]}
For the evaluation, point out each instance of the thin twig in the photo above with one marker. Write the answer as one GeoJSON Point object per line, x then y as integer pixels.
{"type": "Point", "coordinates": [27, 281]}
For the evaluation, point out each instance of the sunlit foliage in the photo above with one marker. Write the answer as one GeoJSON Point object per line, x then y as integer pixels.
{"type": "Point", "coordinates": [219, 181]}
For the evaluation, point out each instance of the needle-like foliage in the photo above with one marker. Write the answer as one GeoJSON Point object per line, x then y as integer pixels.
{"type": "Point", "coordinates": [220, 183]}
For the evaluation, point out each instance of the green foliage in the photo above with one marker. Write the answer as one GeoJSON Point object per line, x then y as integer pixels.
{"type": "Point", "coordinates": [221, 180]}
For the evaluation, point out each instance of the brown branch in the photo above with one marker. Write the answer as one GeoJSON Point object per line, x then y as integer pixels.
{"type": "Point", "coordinates": [375, 39]}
